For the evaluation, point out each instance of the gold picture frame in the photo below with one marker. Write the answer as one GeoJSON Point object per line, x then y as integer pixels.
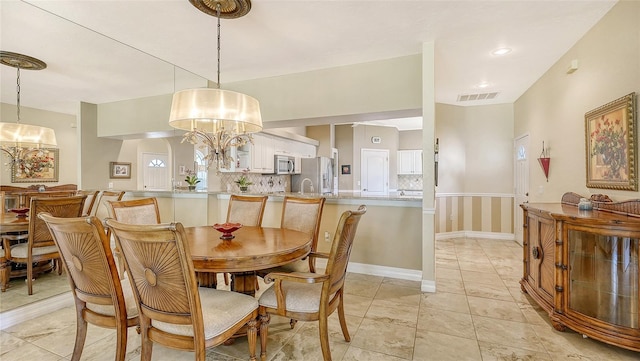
{"type": "Point", "coordinates": [611, 145]}
{"type": "Point", "coordinates": [36, 166]}
{"type": "Point", "coordinates": [119, 170]}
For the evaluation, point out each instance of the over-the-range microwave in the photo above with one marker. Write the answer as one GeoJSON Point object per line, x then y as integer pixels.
{"type": "Point", "coordinates": [284, 164]}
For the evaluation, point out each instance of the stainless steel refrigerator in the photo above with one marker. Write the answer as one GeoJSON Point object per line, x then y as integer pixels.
{"type": "Point", "coordinates": [318, 171]}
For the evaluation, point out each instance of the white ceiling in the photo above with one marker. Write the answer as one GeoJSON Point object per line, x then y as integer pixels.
{"type": "Point", "coordinates": [110, 50]}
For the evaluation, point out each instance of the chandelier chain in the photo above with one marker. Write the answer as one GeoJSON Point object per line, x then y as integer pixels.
{"type": "Point", "coordinates": [18, 92]}
{"type": "Point", "coordinates": [218, 16]}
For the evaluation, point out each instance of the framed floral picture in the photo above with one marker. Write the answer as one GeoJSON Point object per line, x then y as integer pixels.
{"type": "Point", "coordinates": [36, 166]}
{"type": "Point", "coordinates": [119, 170]}
{"type": "Point", "coordinates": [611, 145]}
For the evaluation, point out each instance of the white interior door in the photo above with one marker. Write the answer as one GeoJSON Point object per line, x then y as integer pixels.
{"type": "Point", "coordinates": [522, 182]}
{"type": "Point", "coordinates": [155, 171]}
{"type": "Point", "coordinates": [374, 172]}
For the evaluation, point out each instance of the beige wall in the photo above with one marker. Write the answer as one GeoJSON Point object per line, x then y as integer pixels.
{"type": "Point", "coordinates": [344, 144]}
{"type": "Point", "coordinates": [476, 148]}
{"type": "Point", "coordinates": [380, 86]}
{"type": "Point", "coordinates": [410, 139]}
{"type": "Point", "coordinates": [553, 109]}
{"type": "Point", "coordinates": [95, 152]}
{"type": "Point", "coordinates": [64, 125]}
{"type": "Point", "coordinates": [321, 133]}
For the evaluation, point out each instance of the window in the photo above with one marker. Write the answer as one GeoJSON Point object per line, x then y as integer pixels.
{"type": "Point", "coordinates": [201, 169]}
{"type": "Point", "coordinates": [156, 163]}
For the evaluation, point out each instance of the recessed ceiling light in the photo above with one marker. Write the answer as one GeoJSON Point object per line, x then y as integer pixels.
{"type": "Point", "coordinates": [501, 51]}
{"type": "Point", "coordinates": [484, 84]}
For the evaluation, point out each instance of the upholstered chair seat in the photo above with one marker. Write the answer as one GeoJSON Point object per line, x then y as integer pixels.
{"type": "Point", "coordinates": [300, 297]}
{"type": "Point", "coordinates": [22, 250]}
{"type": "Point", "coordinates": [129, 302]}
{"type": "Point", "coordinates": [221, 310]}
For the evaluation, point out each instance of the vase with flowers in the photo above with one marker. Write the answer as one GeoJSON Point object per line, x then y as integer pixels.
{"type": "Point", "coordinates": [243, 182]}
{"type": "Point", "coordinates": [191, 179]}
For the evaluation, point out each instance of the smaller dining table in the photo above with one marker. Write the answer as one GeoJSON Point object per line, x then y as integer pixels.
{"type": "Point", "coordinates": [251, 249]}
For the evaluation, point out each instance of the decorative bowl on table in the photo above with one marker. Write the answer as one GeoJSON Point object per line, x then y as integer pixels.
{"type": "Point", "coordinates": [20, 212]}
{"type": "Point", "coordinates": [227, 229]}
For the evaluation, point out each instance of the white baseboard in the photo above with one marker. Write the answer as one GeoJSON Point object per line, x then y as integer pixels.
{"type": "Point", "coordinates": [36, 309]}
{"type": "Point", "coordinates": [428, 286]}
{"type": "Point", "coordinates": [375, 270]}
{"type": "Point", "coordinates": [472, 234]}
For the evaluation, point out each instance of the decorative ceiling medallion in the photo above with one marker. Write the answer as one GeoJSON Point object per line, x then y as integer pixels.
{"type": "Point", "coordinates": [21, 61]}
{"type": "Point", "coordinates": [229, 9]}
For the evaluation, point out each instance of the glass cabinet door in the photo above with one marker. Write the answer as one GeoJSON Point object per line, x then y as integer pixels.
{"type": "Point", "coordinates": [603, 277]}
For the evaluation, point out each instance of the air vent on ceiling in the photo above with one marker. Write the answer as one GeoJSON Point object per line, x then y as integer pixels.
{"type": "Point", "coordinates": [477, 96]}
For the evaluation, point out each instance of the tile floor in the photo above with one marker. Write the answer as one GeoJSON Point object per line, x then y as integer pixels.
{"type": "Point", "coordinates": [477, 313]}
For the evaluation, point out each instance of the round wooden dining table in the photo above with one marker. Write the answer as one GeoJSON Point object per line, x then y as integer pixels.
{"type": "Point", "coordinates": [251, 249]}
{"type": "Point", "coordinates": [10, 223]}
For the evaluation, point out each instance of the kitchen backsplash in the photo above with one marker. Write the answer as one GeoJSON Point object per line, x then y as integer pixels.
{"type": "Point", "coordinates": [410, 182]}
{"type": "Point", "coordinates": [261, 183]}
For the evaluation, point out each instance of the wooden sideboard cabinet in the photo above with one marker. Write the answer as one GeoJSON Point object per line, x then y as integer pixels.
{"type": "Point", "coordinates": [539, 247]}
{"type": "Point", "coordinates": [582, 267]}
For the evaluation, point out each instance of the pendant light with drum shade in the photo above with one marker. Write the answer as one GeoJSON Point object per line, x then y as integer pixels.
{"type": "Point", "coordinates": [20, 140]}
{"type": "Point", "coordinates": [219, 119]}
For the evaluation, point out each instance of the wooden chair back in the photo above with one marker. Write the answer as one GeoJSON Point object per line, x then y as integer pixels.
{"type": "Point", "coordinates": [157, 259]}
{"type": "Point", "coordinates": [48, 194]}
{"type": "Point", "coordinates": [341, 249]}
{"type": "Point", "coordinates": [89, 202]}
{"type": "Point", "coordinates": [303, 214]}
{"type": "Point", "coordinates": [101, 209]}
{"type": "Point", "coordinates": [39, 242]}
{"type": "Point", "coordinates": [135, 211]}
{"type": "Point", "coordinates": [2, 203]}
{"type": "Point", "coordinates": [247, 210]}
{"type": "Point", "coordinates": [66, 207]}
{"type": "Point", "coordinates": [100, 297]}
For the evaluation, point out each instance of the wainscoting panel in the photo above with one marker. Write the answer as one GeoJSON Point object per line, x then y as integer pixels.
{"type": "Point", "coordinates": [478, 213]}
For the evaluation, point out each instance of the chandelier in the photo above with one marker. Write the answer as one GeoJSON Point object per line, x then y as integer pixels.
{"type": "Point", "coordinates": [20, 141]}
{"type": "Point", "coordinates": [214, 118]}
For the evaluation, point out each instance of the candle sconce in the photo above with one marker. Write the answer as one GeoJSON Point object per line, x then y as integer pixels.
{"type": "Point", "coordinates": [544, 161]}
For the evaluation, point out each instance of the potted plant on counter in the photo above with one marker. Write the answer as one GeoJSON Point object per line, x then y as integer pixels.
{"type": "Point", "coordinates": [243, 182]}
{"type": "Point", "coordinates": [192, 179]}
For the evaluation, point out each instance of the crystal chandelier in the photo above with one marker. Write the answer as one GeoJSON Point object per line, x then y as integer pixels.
{"type": "Point", "coordinates": [215, 118]}
{"type": "Point", "coordinates": [18, 140]}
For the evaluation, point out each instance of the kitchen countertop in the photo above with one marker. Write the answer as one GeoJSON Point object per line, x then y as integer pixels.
{"type": "Point", "coordinates": [408, 196]}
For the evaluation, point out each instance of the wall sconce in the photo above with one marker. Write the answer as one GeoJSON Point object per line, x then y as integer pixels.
{"type": "Point", "coordinates": [544, 161]}
{"type": "Point", "coordinates": [436, 151]}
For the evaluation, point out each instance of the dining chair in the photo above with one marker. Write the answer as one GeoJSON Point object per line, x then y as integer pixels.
{"type": "Point", "coordinates": [314, 296]}
{"type": "Point", "coordinates": [40, 246]}
{"type": "Point", "coordinates": [100, 297]}
{"type": "Point", "coordinates": [246, 210]}
{"type": "Point", "coordinates": [173, 310]}
{"type": "Point", "coordinates": [100, 209]}
{"type": "Point", "coordinates": [48, 194]}
{"type": "Point", "coordinates": [304, 215]}
{"type": "Point", "coordinates": [90, 202]}
{"type": "Point", "coordinates": [8, 237]}
{"type": "Point", "coordinates": [134, 211]}
{"type": "Point", "coordinates": [5, 266]}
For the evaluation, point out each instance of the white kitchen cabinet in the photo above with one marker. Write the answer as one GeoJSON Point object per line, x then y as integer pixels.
{"type": "Point", "coordinates": [259, 157]}
{"type": "Point", "coordinates": [410, 161]}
